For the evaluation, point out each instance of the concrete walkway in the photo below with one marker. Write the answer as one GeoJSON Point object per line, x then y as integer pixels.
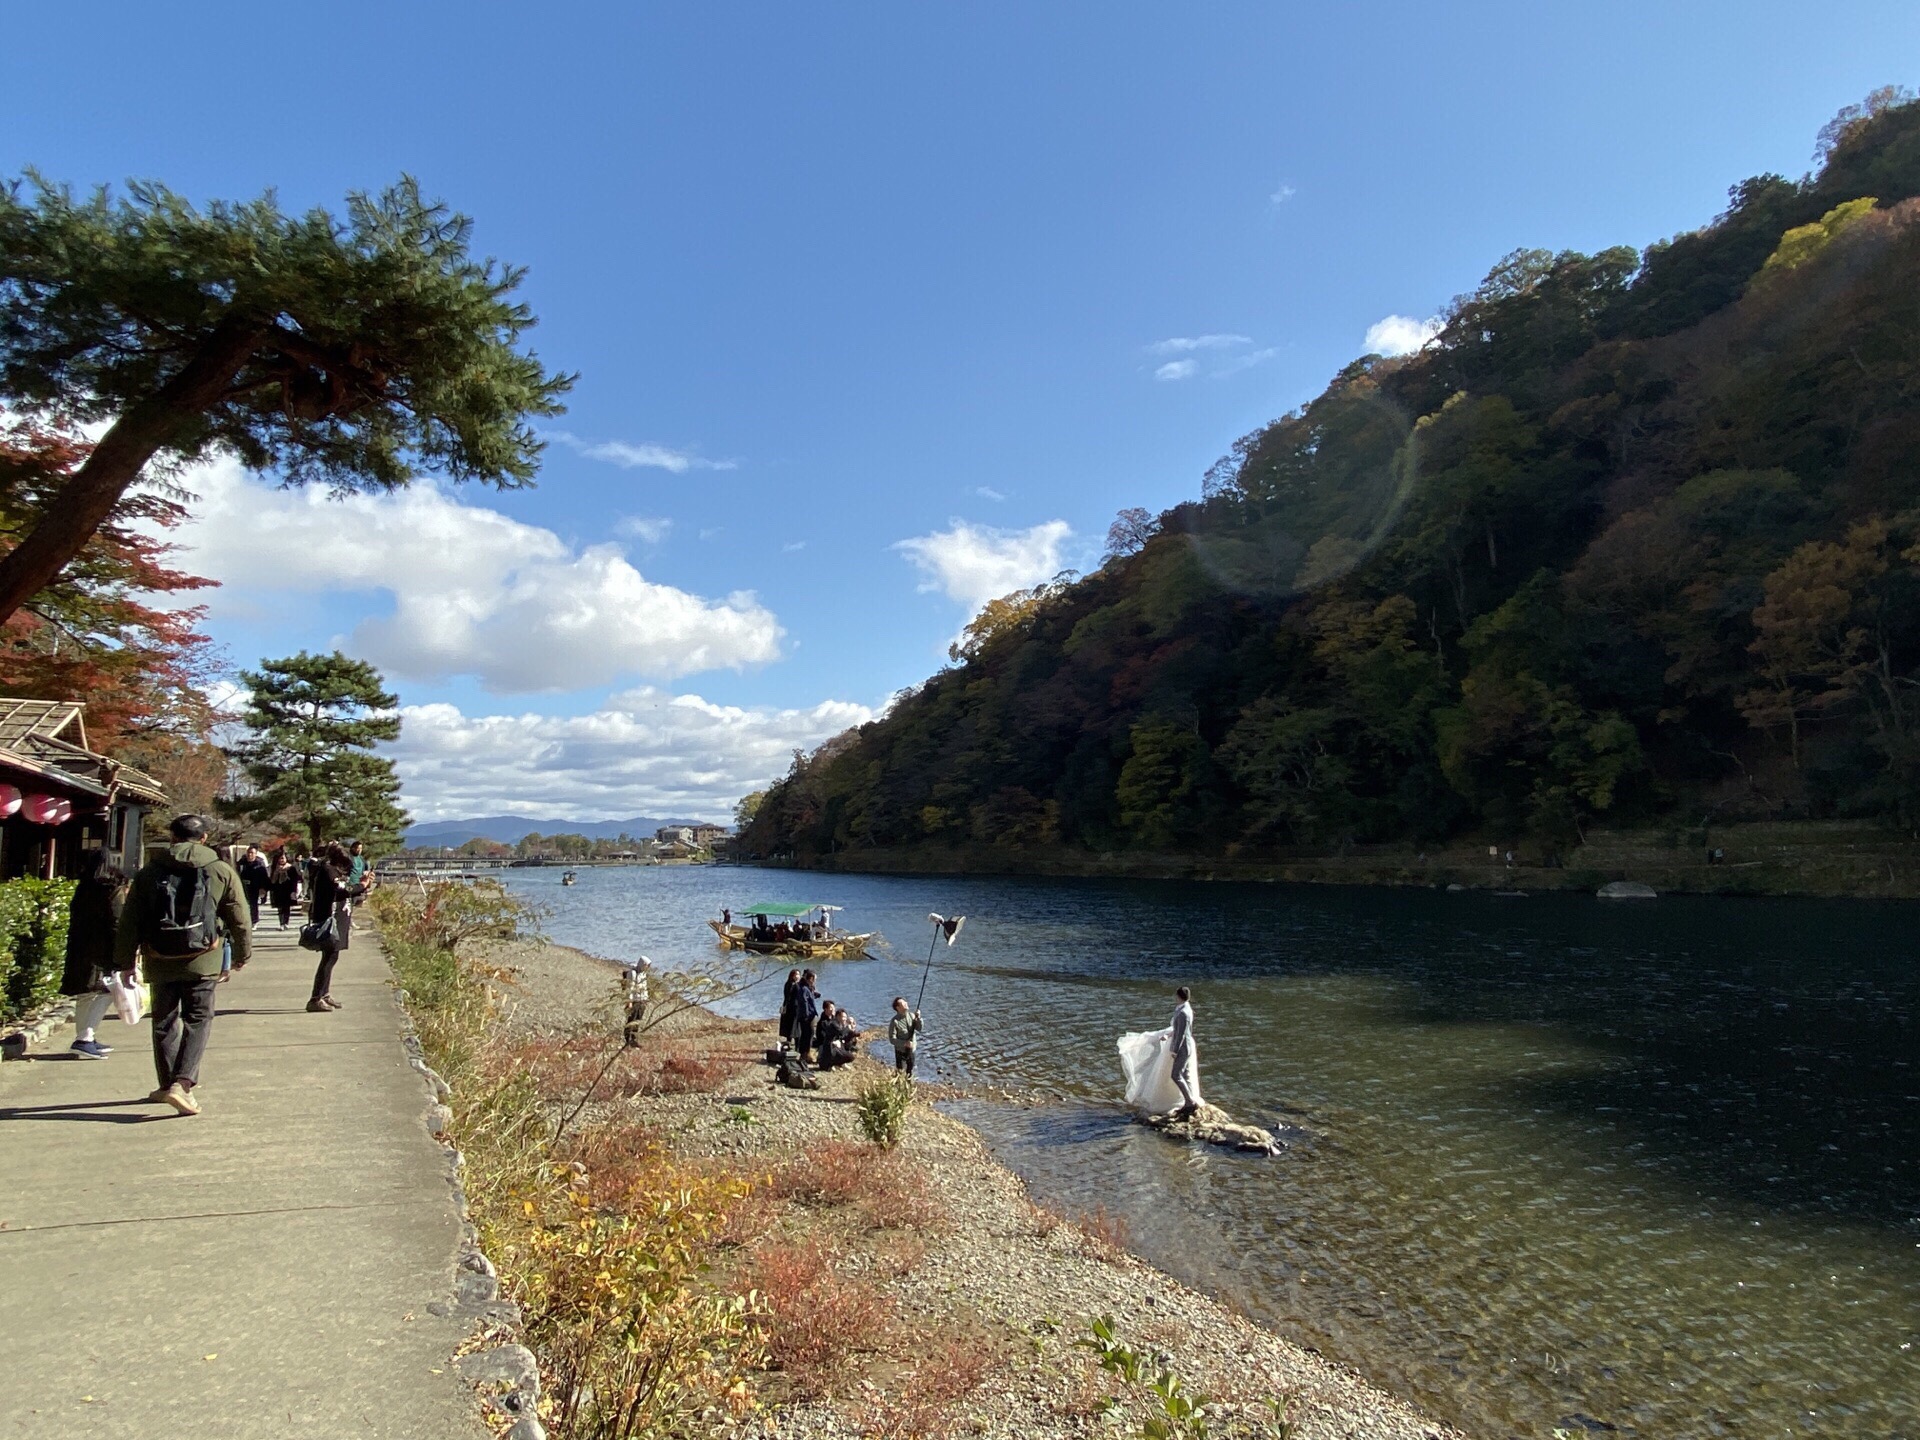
{"type": "Point", "coordinates": [261, 1270]}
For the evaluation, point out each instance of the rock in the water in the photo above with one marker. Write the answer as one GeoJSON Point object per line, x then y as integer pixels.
{"type": "Point", "coordinates": [1214, 1126]}
{"type": "Point", "coordinates": [1627, 890]}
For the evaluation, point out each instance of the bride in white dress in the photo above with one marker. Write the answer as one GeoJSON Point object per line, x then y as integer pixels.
{"type": "Point", "coordinates": [1146, 1057]}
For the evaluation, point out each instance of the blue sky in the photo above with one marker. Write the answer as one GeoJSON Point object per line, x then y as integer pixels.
{"type": "Point", "coordinates": [840, 277]}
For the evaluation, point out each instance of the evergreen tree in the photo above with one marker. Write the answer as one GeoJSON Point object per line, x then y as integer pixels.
{"type": "Point", "coordinates": [314, 721]}
{"type": "Point", "coordinates": [353, 352]}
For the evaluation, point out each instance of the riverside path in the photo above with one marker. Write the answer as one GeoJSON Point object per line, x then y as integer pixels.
{"type": "Point", "coordinates": [263, 1269]}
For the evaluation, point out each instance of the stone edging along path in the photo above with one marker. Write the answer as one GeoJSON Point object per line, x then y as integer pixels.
{"type": "Point", "coordinates": [502, 1369]}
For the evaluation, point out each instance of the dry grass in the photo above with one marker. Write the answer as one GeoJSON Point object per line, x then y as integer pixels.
{"type": "Point", "coordinates": [833, 1172]}
{"type": "Point", "coordinates": [1108, 1231]}
{"type": "Point", "coordinates": [926, 1405]}
{"type": "Point", "coordinates": [898, 1256]}
{"type": "Point", "coordinates": [816, 1317]}
{"type": "Point", "coordinates": [897, 1197]}
{"type": "Point", "coordinates": [566, 1066]}
{"type": "Point", "coordinates": [688, 1072]}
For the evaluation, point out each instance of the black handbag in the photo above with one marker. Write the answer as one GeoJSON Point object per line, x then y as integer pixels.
{"type": "Point", "coordinates": [318, 934]}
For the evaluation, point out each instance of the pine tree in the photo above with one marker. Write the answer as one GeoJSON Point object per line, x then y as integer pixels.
{"type": "Point", "coordinates": [355, 353]}
{"type": "Point", "coordinates": [314, 721]}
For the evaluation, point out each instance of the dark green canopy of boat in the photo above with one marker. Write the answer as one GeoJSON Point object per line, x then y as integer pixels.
{"type": "Point", "coordinates": [784, 908]}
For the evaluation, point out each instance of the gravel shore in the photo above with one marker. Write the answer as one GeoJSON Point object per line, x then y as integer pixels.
{"type": "Point", "coordinates": [1019, 1283]}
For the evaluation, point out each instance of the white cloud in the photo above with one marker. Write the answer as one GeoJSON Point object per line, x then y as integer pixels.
{"type": "Point", "coordinates": [474, 592]}
{"type": "Point", "coordinates": [1400, 335]}
{"type": "Point", "coordinates": [1177, 370]}
{"type": "Point", "coordinates": [645, 456]}
{"type": "Point", "coordinates": [644, 752]}
{"type": "Point", "coordinates": [977, 563]}
{"type": "Point", "coordinates": [1186, 344]}
{"type": "Point", "coordinates": [793, 546]}
{"type": "Point", "coordinates": [1282, 195]}
{"type": "Point", "coordinates": [649, 528]}
{"type": "Point", "coordinates": [987, 492]}
{"type": "Point", "coordinates": [1235, 364]}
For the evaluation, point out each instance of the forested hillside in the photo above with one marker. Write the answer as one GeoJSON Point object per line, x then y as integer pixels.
{"type": "Point", "coordinates": [1637, 536]}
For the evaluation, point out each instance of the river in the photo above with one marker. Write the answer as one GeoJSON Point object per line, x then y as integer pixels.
{"type": "Point", "coordinates": [1648, 1167]}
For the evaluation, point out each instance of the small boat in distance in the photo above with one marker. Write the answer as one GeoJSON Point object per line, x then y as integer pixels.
{"type": "Point", "coordinates": [803, 931]}
{"type": "Point", "coordinates": [569, 878]}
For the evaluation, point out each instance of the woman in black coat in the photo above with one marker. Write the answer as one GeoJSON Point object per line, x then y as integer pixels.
{"type": "Point", "coordinates": [789, 1003]}
{"type": "Point", "coordinates": [283, 886]}
{"type": "Point", "coordinates": [92, 917]}
{"type": "Point", "coordinates": [331, 897]}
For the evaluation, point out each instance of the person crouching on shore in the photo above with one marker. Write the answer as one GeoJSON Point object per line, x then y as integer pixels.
{"type": "Point", "coordinates": [904, 1031]}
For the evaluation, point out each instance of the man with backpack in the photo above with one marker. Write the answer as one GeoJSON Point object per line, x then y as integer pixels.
{"type": "Point", "coordinates": [180, 908]}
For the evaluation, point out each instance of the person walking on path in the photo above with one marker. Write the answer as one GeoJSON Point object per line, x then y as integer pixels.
{"type": "Point", "coordinates": [356, 862]}
{"type": "Point", "coordinates": [806, 1010]}
{"type": "Point", "coordinates": [789, 1008]}
{"type": "Point", "coordinates": [636, 994]}
{"type": "Point", "coordinates": [331, 909]}
{"type": "Point", "coordinates": [283, 887]}
{"type": "Point", "coordinates": [93, 915]}
{"type": "Point", "coordinates": [904, 1031]}
{"type": "Point", "coordinates": [1180, 1048]}
{"type": "Point", "coordinates": [173, 916]}
{"type": "Point", "coordinates": [255, 877]}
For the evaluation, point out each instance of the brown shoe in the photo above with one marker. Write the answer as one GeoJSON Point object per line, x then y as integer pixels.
{"type": "Point", "coordinates": [319, 1006]}
{"type": "Point", "coordinates": [158, 1097]}
{"type": "Point", "coordinates": [182, 1099]}
{"type": "Point", "coordinates": [332, 1004]}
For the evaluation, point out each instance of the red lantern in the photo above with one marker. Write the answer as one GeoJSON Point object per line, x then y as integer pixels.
{"type": "Point", "coordinates": [41, 809]}
{"type": "Point", "coordinates": [62, 811]}
{"type": "Point", "coordinates": [9, 802]}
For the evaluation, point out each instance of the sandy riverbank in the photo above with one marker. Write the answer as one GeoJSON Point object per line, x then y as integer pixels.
{"type": "Point", "coordinates": [971, 1256]}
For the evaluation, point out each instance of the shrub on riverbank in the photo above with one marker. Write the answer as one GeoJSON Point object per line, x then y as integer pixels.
{"type": "Point", "coordinates": [881, 1108]}
{"type": "Point", "coordinates": [601, 1237]}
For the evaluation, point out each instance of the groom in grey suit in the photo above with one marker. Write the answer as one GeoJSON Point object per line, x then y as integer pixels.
{"type": "Point", "coordinates": [1180, 1048]}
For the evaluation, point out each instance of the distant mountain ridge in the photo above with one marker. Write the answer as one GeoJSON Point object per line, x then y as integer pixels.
{"type": "Point", "coordinates": [510, 829]}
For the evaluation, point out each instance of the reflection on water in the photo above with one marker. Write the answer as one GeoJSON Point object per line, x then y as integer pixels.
{"type": "Point", "coordinates": [1558, 1162]}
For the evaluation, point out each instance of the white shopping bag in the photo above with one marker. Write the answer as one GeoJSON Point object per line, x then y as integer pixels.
{"type": "Point", "coordinates": [126, 998]}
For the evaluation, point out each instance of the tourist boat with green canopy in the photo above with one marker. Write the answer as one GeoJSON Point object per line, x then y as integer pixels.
{"type": "Point", "coordinates": [804, 931]}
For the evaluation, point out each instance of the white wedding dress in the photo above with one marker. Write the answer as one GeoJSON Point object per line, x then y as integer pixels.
{"type": "Point", "coordinates": [1147, 1061]}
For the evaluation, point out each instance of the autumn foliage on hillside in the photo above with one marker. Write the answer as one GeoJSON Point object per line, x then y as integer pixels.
{"type": "Point", "coordinates": [110, 631]}
{"type": "Point", "coordinates": [1636, 537]}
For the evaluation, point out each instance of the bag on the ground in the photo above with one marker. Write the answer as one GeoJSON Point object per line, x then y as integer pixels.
{"type": "Point", "coordinates": [774, 1057]}
{"type": "Point", "coordinates": [794, 1075]}
{"type": "Point", "coordinates": [317, 934]}
{"type": "Point", "coordinates": [126, 998]}
{"type": "Point", "coordinates": [185, 920]}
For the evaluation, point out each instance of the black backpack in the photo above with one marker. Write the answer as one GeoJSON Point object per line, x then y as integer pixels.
{"type": "Point", "coordinates": [185, 921]}
{"type": "Point", "coordinates": [793, 1074]}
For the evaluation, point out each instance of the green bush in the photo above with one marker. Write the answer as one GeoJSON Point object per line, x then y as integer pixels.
{"type": "Point", "coordinates": [881, 1109]}
{"type": "Point", "coordinates": [33, 942]}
